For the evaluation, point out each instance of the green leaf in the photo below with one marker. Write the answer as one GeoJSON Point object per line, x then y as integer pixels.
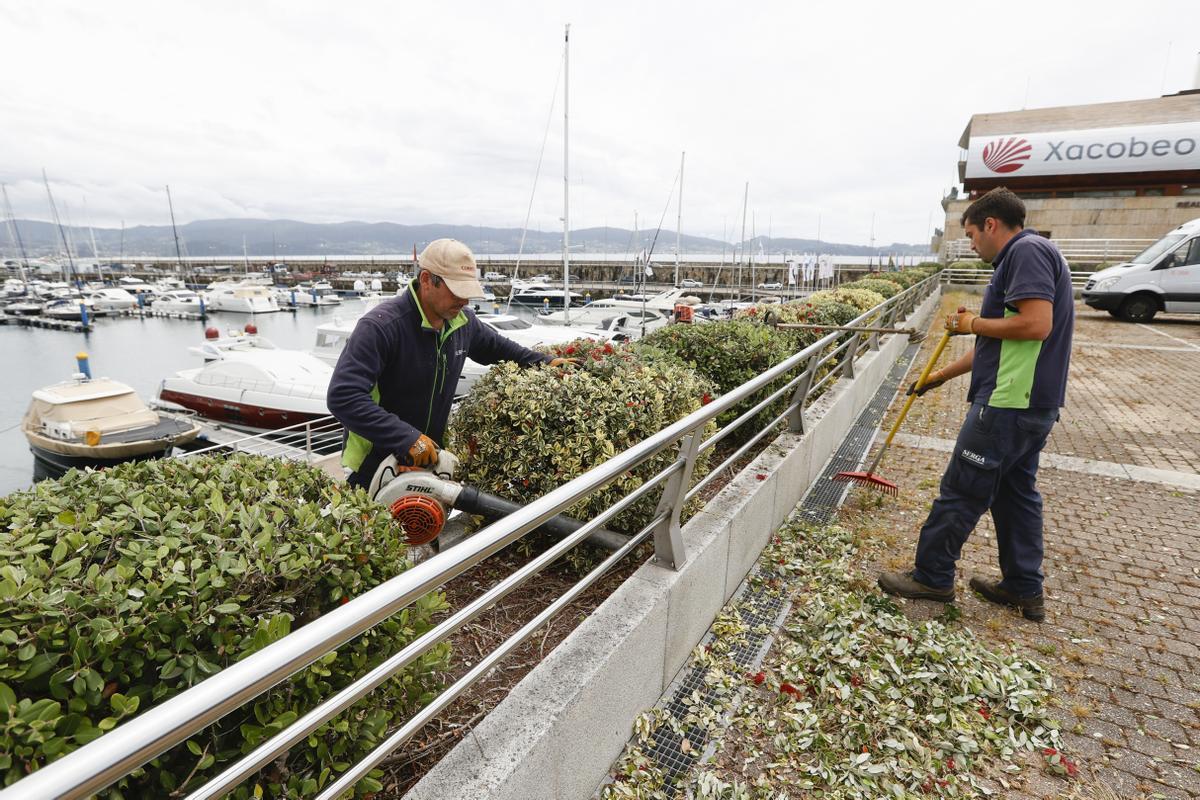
{"type": "Point", "coordinates": [227, 608]}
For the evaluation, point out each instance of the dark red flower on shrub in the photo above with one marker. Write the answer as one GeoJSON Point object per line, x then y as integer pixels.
{"type": "Point", "coordinates": [985, 712]}
{"type": "Point", "coordinates": [760, 477]}
{"type": "Point", "coordinates": [855, 680]}
{"type": "Point", "coordinates": [787, 688]}
{"type": "Point", "coordinates": [950, 763]}
{"type": "Point", "coordinates": [705, 399]}
{"type": "Point", "coordinates": [608, 348]}
{"type": "Point", "coordinates": [758, 677]}
{"type": "Point", "coordinates": [570, 349]}
{"type": "Point", "coordinates": [1049, 751]}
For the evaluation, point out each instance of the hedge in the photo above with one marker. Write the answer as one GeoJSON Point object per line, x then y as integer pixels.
{"type": "Point", "coordinates": [522, 432]}
{"type": "Point", "coordinates": [727, 353]}
{"type": "Point", "coordinates": [885, 287]}
{"type": "Point", "coordinates": [126, 586]}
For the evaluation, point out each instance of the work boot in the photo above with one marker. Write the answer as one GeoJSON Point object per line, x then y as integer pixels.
{"type": "Point", "coordinates": [1032, 608]}
{"type": "Point", "coordinates": [902, 584]}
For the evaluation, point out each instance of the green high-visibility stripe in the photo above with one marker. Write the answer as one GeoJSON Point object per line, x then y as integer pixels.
{"type": "Point", "coordinates": [357, 448]}
{"type": "Point", "coordinates": [1014, 377]}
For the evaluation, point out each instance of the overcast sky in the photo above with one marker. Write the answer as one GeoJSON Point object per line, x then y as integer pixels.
{"type": "Point", "coordinates": [435, 112]}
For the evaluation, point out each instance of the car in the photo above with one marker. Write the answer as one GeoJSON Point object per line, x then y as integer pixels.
{"type": "Point", "coordinates": [540, 279]}
{"type": "Point", "coordinates": [1163, 277]}
{"type": "Point", "coordinates": [774, 285]}
{"type": "Point", "coordinates": [495, 276]}
{"type": "Point", "coordinates": [691, 283]}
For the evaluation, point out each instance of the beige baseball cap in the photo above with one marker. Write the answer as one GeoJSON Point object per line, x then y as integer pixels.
{"type": "Point", "coordinates": [453, 262]}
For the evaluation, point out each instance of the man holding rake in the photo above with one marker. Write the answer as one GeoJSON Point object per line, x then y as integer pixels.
{"type": "Point", "coordinates": [1018, 373]}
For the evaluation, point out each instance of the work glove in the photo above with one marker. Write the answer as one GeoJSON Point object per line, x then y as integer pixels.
{"type": "Point", "coordinates": [959, 324]}
{"type": "Point", "coordinates": [424, 452]}
{"type": "Point", "coordinates": [562, 361]}
{"type": "Point", "coordinates": [931, 383]}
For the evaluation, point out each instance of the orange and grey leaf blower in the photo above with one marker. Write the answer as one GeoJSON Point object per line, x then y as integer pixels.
{"type": "Point", "coordinates": [420, 500]}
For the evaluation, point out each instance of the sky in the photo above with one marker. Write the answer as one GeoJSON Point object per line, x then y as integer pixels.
{"type": "Point", "coordinates": [843, 117]}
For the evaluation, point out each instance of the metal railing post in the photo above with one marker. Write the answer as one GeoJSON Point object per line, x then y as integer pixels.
{"type": "Point", "coordinates": [851, 354]}
{"type": "Point", "coordinates": [796, 418]}
{"type": "Point", "coordinates": [669, 549]}
{"type": "Point", "coordinates": [308, 441]}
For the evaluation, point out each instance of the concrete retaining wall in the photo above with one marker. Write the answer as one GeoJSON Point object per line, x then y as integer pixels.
{"type": "Point", "coordinates": [560, 729]}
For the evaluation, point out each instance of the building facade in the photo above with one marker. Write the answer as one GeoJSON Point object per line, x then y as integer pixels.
{"type": "Point", "coordinates": [1104, 180]}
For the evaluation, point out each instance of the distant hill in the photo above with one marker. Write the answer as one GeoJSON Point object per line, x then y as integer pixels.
{"type": "Point", "coordinates": [283, 238]}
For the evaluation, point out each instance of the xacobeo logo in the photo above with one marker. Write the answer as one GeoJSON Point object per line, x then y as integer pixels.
{"type": "Point", "coordinates": [1006, 155]}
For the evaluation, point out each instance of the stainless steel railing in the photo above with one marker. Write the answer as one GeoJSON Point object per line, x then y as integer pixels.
{"type": "Point", "coordinates": [981, 277]}
{"type": "Point", "coordinates": [1076, 251]}
{"type": "Point", "coordinates": [304, 441]}
{"type": "Point", "coordinates": [112, 756]}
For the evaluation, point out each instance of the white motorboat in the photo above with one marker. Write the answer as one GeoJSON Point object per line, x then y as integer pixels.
{"type": "Point", "coordinates": [13, 287]}
{"type": "Point", "coordinates": [96, 423]}
{"type": "Point", "coordinates": [136, 286]}
{"type": "Point", "coordinates": [109, 300]}
{"type": "Point", "coordinates": [540, 294]}
{"type": "Point", "coordinates": [168, 284]}
{"type": "Point", "coordinates": [320, 293]}
{"type": "Point", "coordinates": [250, 383]}
{"type": "Point", "coordinates": [244, 297]}
{"type": "Point", "coordinates": [181, 301]}
{"type": "Point", "coordinates": [24, 308]}
{"type": "Point", "coordinates": [69, 308]}
{"type": "Point", "coordinates": [640, 314]}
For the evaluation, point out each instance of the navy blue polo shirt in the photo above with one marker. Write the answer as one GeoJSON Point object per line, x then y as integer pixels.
{"type": "Point", "coordinates": [1008, 373]}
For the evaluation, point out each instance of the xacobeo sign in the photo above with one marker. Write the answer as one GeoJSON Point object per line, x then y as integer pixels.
{"type": "Point", "coordinates": [1132, 148]}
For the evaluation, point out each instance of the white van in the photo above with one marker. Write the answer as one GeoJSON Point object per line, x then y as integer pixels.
{"type": "Point", "coordinates": [1164, 277]}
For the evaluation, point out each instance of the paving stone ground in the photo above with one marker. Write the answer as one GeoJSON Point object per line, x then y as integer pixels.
{"type": "Point", "coordinates": [1122, 636]}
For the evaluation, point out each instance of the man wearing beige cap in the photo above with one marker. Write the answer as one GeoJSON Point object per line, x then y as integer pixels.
{"type": "Point", "coordinates": [394, 383]}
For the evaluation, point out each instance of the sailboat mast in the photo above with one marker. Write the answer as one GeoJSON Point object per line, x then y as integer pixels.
{"type": "Point", "coordinates": [58, 222]}
{"type": "Point", "coordinates": [92, 234]}
{"type": "Point", "coordinates": [566, 178]}
{"type": "Point", "coordinates": [15, 232]}
{"type": "Point", "coordinates": [745, 201]}
{"type": "Point", "coordinates": [753, 236]}
{"type": "Point", "coordinates": [679, 219]}
{"type": "Point", "coordinates": [175, 232]}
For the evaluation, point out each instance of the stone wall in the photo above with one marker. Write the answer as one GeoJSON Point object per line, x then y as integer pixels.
{"type": "Point", "coordinates": [1095, 217]}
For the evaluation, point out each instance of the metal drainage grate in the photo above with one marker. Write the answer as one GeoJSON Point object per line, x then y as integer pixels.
{"type": "Point", "coordinates": [757, 606]}
{"type": "Point", "coordinates": [759, 611]}
{"type": "Point", "coordinates": [825, 495]}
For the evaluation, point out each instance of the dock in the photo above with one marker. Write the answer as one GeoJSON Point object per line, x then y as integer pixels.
{"type": "Point", "coordinates": [74, 326]}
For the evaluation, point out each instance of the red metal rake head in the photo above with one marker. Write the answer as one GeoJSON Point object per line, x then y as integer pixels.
{"type": "Point", "coordinates": [870, 480]}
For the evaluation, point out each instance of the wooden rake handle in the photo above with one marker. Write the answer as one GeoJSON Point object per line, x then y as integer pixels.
{"type": "Point", "coordinates": [937, 353]}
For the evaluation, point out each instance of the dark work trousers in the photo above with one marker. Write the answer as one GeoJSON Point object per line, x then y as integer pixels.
{"type": "Point", "coordinates": [994, 466]}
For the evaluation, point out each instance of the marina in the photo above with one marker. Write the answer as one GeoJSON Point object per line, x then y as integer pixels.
{"type": "Point", "coordinates": [140, 350]}
{"type": "Point", "coordinates": [176, 355]}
